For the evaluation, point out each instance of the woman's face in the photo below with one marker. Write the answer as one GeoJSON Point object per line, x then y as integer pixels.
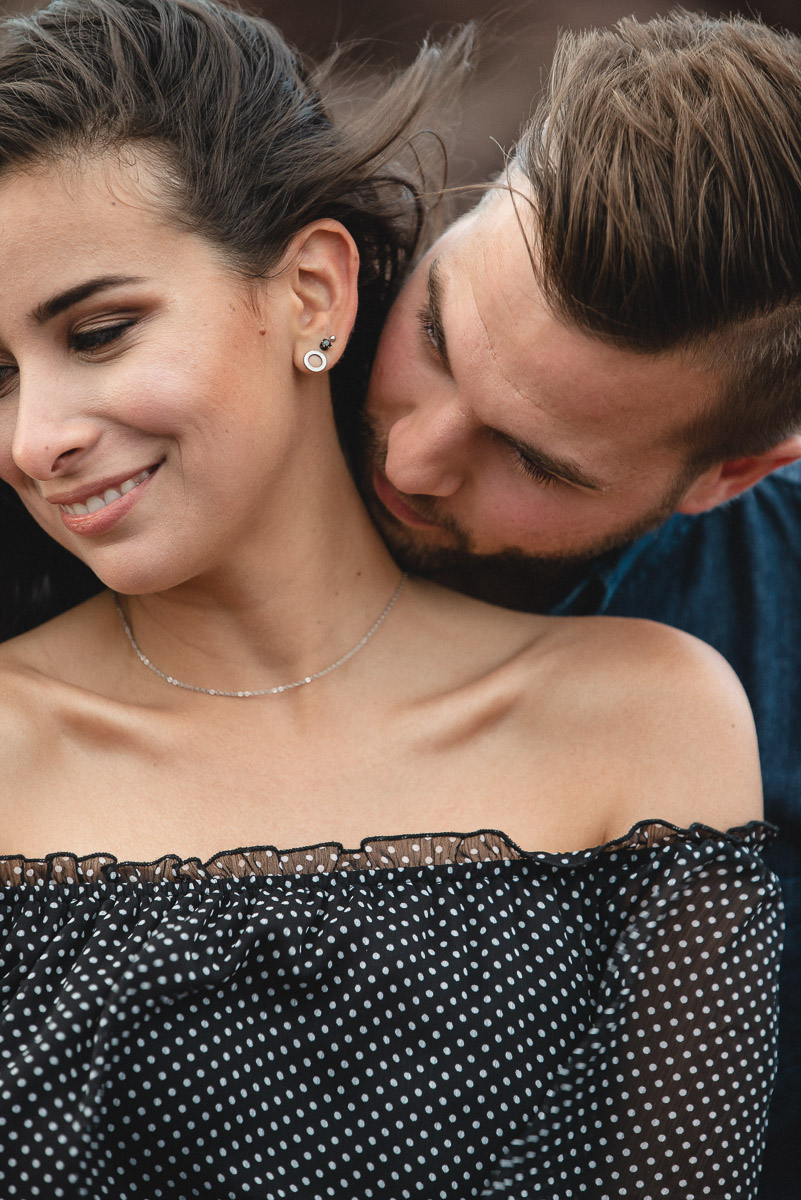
{"type": "Point", "coordinates": [146, 393]}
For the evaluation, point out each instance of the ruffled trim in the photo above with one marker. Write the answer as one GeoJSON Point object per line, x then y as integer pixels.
{"type": "Point", "coordinates": [374, 854]}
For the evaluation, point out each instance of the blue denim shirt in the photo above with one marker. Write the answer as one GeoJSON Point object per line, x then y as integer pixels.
{"type": "Point", "coordinates": [732, 577]}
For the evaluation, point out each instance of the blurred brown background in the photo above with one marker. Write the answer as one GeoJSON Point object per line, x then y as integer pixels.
{"type": "Point", "coordinates": [515, 64]}
{"type": "Point", "coordinates": [512, 68]}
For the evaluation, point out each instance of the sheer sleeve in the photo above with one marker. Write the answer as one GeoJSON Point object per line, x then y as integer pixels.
{"type": "Point", "coordinates": [666, 1094]}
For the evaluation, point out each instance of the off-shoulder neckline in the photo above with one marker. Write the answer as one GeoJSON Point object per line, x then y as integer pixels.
{"type": "Point", "coordinates": [383, 853]}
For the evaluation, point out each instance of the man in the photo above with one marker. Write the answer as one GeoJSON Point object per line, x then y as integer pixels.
{"type": "Point", "coordinates": [585, 378]}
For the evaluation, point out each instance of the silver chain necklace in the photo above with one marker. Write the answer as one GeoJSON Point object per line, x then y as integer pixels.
{"type": "Point", "coordinates": [273, 691]}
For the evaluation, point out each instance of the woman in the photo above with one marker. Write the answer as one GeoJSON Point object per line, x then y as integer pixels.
{"type": "Point", "coordinates": [187, 1008]}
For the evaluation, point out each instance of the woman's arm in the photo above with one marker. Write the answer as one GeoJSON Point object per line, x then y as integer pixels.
{"type": "Point", "coordinates": [666, 1095]}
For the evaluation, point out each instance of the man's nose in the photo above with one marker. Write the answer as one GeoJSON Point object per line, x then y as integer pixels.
{"type": "Point", "coordinates": [51, 432]}
{"type": "Point", "coordinates": [428, 449]}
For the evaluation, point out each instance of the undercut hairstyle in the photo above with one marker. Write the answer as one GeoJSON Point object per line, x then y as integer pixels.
{"type": "Point", "coordinates": [665, 162]}
{"type": "Point", "coordinates": [247, 153]}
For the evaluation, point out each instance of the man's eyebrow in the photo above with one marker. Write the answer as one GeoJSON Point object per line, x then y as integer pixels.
{"type": "Point", "coordinates": [563, 468]}
{"type": "Point", "coordinates": [48, 309]}
{"type": "Point", "coordinates": [435, 312]}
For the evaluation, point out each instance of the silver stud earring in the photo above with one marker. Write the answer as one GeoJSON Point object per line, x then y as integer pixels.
{"type": "Point", "coordinates": [315, 360]}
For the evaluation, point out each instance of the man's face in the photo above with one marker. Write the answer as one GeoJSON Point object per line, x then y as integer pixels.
{"type": "Point", "coordinates": [501, 445]}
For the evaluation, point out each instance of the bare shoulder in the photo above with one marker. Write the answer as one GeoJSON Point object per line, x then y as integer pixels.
{"type": "Point", "coordinates": [23, 713]}
{"type": "Point", "coordinates": [465, 640]}
{"type": "Point", "coordinates": [51, 648]}
{"type": "Point", "coordinates": [38, 671]}
{"type": "Point", "coordinates": [663, 716]}
{"type": "Point", "coordinates": [617, 720]}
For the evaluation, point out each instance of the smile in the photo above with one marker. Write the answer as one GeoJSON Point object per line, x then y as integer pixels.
{"type": "Point", "coordinates": [94, 504]}
{"type": "Point", "coordinates": [99, 512]}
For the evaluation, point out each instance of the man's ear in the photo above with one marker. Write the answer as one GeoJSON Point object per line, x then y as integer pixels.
{"type": "Point", "coordinates": [725, 480]}
{"type": "Point", "coordinates": [322, 270]}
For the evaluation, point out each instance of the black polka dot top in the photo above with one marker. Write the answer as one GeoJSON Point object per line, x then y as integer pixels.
{"type": "Point", "coordinates": [425, 1017]}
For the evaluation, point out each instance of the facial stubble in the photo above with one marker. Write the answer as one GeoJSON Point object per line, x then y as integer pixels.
{"type": "Point", "coordinates": [510, 577]}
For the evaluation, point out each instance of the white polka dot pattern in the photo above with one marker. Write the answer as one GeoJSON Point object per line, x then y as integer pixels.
{"type": "Point", "coordinates": [434, 1017]}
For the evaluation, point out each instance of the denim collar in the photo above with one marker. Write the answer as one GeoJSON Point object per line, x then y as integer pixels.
{"type": "Point", "coordinates": [593, 592]}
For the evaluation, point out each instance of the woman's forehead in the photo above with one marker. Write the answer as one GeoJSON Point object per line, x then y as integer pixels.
{"type": "Point", "coordinates": [61, 225]}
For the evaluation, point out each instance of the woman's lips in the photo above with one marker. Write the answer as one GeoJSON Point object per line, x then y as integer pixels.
{"type": "Point", "coordinates": [393, 501]}
{"type": "Point", "coordinates": [90, 524]}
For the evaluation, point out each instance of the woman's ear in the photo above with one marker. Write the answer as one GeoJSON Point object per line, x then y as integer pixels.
{"type": "Point", "coordinates": [322, 272]}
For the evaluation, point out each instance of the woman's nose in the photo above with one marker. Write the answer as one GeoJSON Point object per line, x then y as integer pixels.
{"type": "Point", "coordinates": [428, 450]}
{"type": "Point", "coordinates": [51, 434]}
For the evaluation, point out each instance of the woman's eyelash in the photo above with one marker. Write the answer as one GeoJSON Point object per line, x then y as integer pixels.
{"type": "Point", "coordinates": [97, 339]}
{"type": "Point", "coordinates": [425, 324]}
{"type": "Point", "coordinates": [86, 342]}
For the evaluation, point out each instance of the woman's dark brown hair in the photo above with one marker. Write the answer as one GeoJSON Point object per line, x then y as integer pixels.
{"type": "Point", "coordinates": [249, 155]}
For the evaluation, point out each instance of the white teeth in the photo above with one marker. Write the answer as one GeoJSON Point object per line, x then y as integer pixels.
{"type": "Point", "coordinates": [94, 503]}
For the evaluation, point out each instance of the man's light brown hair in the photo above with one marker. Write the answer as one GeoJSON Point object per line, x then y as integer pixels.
{"type": "Point", "coordinates": [665, 160]}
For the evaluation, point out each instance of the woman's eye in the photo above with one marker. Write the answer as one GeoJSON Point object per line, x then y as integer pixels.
{"type": "Point", "coordinates": [7, 376]}
{"type": "Point", "coordinates": [425, 323]}
{"type": "Point", "coordinates": [97, 339]}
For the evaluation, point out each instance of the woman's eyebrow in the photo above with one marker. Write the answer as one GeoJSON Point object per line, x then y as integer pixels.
{"type": "Point", "coordinates": [48, 309]}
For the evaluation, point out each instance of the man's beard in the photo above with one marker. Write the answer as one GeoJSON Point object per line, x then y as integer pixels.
{"type": "Point", "coordinates": [510, 577]}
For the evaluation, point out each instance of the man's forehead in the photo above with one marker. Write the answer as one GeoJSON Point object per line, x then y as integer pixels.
{"type": "Point", "coordinates": [491, 252]}
{"type": "Point", "coordinates": [507, 209]}
{"type": "Point", "coordinates": [585, 385]}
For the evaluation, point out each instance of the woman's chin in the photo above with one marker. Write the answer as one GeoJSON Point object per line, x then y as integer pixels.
{"type": "Point", "coordinates": [131, 578]}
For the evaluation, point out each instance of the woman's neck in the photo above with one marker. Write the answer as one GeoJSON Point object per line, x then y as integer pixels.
{"type": "Point", "coordinates": [289, 600]}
